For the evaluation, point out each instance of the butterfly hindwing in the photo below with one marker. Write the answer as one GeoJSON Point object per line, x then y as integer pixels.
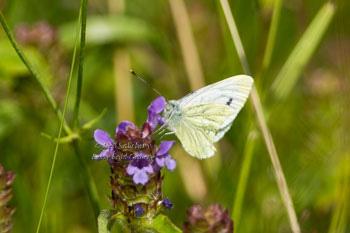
{"type": "Point", "coordinates": [199, 125]}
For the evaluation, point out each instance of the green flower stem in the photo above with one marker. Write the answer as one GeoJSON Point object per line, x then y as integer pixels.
{"type": "Point", "coordinates": [34, 72]}
{"type": "Point", "coordinates": [81, 63]}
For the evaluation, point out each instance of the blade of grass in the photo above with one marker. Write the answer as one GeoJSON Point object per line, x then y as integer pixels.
{"type": "Point", "coordinates": [302, 52]}
{"type": "Point", "coordinates": [256, 104]}
{"type": "Point", "coordinates": [81, 64]}
{"type": "Point", "coordinates": [272, 34]}
{"type": "Point", "coordinates": [34, 72]}
{"type": "Point", "coordinates": [60, 129]}
{"type": "Point", "coordinates": [243, 176]}
{"type": "Point", "coordinates": [85, 171]}
{"type": "Point", "coordinates": [187, 43]}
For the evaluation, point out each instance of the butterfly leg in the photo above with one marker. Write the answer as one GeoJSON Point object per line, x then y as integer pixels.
{"type": "Point", "coordinates": [166, 134]}
{"type": "Point", "coordinates": [159, 130]}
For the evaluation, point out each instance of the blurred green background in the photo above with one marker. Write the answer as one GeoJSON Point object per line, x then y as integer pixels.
{"type": "Point", "coordinates": [310, 125]}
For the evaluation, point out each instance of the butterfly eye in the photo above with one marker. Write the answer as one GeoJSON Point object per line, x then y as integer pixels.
{"type": "Point", "coordinates": [168, 107]}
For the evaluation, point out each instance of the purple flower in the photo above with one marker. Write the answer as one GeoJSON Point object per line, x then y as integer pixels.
{"type": "Point", "coordinates": [156, 107]}
{"type": "Point", "coordinates": [123, 125]}
{"type": "Point", "coordinates": [139, 169]}
{"type": "Point", "coordinates": [167, 204]}
{"type": "Point", "coordinates": [139, 210]}
{"type": "Point", "coordinates": [103, 139]}
{"type": "Point", "coordinates": [163, 157]}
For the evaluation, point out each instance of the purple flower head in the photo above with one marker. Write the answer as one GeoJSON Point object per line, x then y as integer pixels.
{"type": "Point", "coordinates": [139, 210]}
{"type": "Point", "coordinates": [163, 157]}
{"type": "Point", "coordinates": [167, 204]}
{"type": "Point", "coordinates": [103, 139]}
{"type": "Point", "coordinates": [156, 107]}
{"type": "Point", "coordinates": [139, 169]}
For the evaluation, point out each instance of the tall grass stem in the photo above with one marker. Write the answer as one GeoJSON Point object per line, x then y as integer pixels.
{"type": "Point", "coordinates": [81, 64]}
{"type": "Point", "coordinates": [60, 130]}
{"type": "Point", "coordinates": [256, 104]}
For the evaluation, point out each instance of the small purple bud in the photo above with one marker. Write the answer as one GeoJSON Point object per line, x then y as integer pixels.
{"type": "Point", "coordinates": [167, 204]}
{"type": "Point", "coordinates": [139, 210]}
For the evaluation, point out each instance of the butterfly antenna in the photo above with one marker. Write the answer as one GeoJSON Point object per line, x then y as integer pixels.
{"type": "Point", "coordinates": [145, 82]}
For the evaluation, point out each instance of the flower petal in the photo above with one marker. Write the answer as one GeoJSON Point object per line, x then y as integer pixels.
{"type": "Point", "coordinates": [157, 105]}
{"type": "Point", "coordinates": [140, 177]}
{"type": "Point", "coordinates": [148, 169]}
{"type": "Point", "coordinates": [160, 161]}
{"type": "Point", "coordinates": [131, 170]}
{"type": "Point", "coordinates": [165, 147]}
{"type": "Point", "coordinates": [102, 138]}
{"type": "Point", "coordinates": [170, 163]}
{"type": "Point", "coordinates": [102, 155]}
{"type": "Point", "coordinates": [122, 126]}
{"type": "Point", "coordinates": [160, 120]}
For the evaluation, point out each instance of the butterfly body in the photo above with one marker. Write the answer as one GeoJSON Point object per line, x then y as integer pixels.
{"type": "Point", "coordinates": [202, 117]}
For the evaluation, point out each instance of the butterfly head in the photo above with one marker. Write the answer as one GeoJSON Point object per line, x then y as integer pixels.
{"type": "Point", "coordinates": [171, 107]}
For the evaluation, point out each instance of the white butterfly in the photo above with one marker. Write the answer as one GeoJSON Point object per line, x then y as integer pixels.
{"type": "Point", "coordinates": [202, 117]}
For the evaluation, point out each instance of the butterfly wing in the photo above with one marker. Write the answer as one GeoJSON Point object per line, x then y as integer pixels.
{"type": "Point", "coordinates": [232, 92]}
{"type": "Point", "coordinates": [198, 126]}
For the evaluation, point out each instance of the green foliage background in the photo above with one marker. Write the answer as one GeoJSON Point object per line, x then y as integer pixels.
{"type": "Point", "coordinates": [310, 125]}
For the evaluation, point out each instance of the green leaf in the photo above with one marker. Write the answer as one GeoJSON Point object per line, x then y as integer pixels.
{"type": "Point", "coordinates": [110, 218]}
{"type": "Point", "coordinates": [161, 224]}
{"type": "Point", "coordinates": [63, 140]}
{"type": "Point", "coordinates": [302, 52]}
{"type": "Point", "coordinates": [108, 29]}
{"type": "Point", "coordinates": [91, 123]}
{"type": "Point", "coordinates": [103, 221]}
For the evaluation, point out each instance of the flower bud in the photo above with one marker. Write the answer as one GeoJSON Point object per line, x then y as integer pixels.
{"type": "Point", "coordinates": [211, 220]}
